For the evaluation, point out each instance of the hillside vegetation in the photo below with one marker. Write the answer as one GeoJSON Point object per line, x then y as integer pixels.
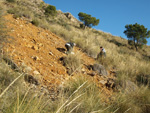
{"type": "Point", "coordinates": [33, 44]}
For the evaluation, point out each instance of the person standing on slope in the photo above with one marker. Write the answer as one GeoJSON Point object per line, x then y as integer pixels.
{"type": "Point", "coordinates": [101, 55]}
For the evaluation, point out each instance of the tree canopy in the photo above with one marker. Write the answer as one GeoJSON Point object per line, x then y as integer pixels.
{"type": "Point", "coordinates": [50, 10]}
{"type": "Point", "coordinates": [137, 33]}
{"type": "Point", "coordinates": [88, 20]}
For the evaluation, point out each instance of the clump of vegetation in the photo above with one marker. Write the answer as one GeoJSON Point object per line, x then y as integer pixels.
{"type": "Point", "coordinates": [11, 1]}
{"type": "Point", "coordinates": [35, 22]}
{"type": "Point", "coordinates": [136, 101]}
{"type": "Point", "coordinates": [50, 10]}
{"type": "Point", "coordinates": [137, 33]}
{"type": "Point", "coordinates": [88, 20]}
{"type": "Point", "coordinates": [72, 63]}
{"type": "Point", "coordinates": [81, 96]}
{"type": "Point", "coordinates": [82, 26]}
{"type": "Point", "coordinates": [19, 11]}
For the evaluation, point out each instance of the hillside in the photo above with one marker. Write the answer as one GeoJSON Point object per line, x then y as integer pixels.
{"type": "Point", "coordinates": [37, 51]}
{"type": "Point", "coordinates": [51, 81]}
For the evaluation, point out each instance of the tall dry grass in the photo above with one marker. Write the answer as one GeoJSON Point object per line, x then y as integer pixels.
{"type": "Point", "coordinates": [128, 63]}
{"type": "Point", "coordinates": [72, 62]}
{"type": "Point", "coordinates": [136, 101]}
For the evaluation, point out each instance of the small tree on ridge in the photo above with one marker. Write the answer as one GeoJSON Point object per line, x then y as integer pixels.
{"type": "Point", "coordinates": [137, 33]}
{"type": "Point", "coordinates": [88, 20]}
{"type": "Point", "coordinates": [50, 10]}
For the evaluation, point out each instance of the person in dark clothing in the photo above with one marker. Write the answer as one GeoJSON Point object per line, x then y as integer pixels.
{"type": "Point", "coordinates": [69, 46]}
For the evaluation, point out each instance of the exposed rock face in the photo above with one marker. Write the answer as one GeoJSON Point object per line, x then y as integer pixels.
{"type": "Point", "coordinates": [100, 69]}
{"type": "Point", "coordinates": [70, 17]}
{"type": "Point", "coordinates": [37, 1]}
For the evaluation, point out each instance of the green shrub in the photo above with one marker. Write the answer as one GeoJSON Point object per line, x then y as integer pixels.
{"type": "Point", "coordinates": [50, 10]}
{"type": "Point", "coordinates": [82, 26]}
{"type": "Point", "coordinates": [11, 11]}
{"type": "Point", "coordinates": [35, 22]}
{"type": "Point", "coordinates": [16, 16]}
{"type": "Point", "coordinates": [130, 42]}
{"type": "Point", "coordinates": [143, 79]}
{"type": "Point", "coordinates": [10, 1]}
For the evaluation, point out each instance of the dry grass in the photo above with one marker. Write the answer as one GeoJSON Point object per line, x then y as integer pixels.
{"type": "Point", "coordinates": [136, 101]}
{"type": "Point", "coordinates": [128, 63]}
{"type": "Point", "coordinates": [81, 96]}
{"type": "Point", "coordinates": [72, 62]}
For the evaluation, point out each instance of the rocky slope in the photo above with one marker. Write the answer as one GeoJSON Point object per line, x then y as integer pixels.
{"type": "Point", "coordinates": [37, 52]}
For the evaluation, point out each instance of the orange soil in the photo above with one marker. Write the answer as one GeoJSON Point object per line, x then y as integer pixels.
{"type": "Point", "coordinates": [37, 48]}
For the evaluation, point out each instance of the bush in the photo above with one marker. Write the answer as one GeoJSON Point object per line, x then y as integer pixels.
{"type": "Point", "coordinates": [50, 10]}
{"type": "Point", "coordinates": [82, 26]}
{"type": "Point", "coordinates": [130, 42]}
{"type": "Point", "coordinates": [72, 63]}
{"type": "Point", "coordinates": [10, 1]}
{"type": "Point", "coordinates": [143, 79]}
{"type": "Point", "coordinates": [35, 22]}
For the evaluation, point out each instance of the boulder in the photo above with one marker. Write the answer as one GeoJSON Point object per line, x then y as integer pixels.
{"type": "Point", "coordinates": [71, 17]}
{"type": "Point", "coordinates": [99, 69]}
{"type": "Point", "coordinates": [33, 79]}
{"type": "Point", "coordinates": [103, 82]}
{"type": "Point", "coordinates": [129, 86]}
{"type": "Point", "coordinates": [68, 15]}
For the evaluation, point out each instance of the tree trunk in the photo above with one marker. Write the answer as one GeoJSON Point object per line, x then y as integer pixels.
{"type": "Point", "coordinates": [135, 45]}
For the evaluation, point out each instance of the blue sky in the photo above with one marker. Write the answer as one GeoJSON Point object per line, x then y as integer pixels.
{"type": "Point", "coordinates": [113, 14]}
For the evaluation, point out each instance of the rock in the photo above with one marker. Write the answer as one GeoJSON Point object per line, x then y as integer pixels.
{"type": "Point", "coordinates": [71, 17]}
{"type": "Point", "coordinates": [83, 70]}
{"type": "Point", "coordinates": [11, 63]}
{"type": "Point", "coordinates": [103, 82]}
{"type": "Point", "coordinates": [31, 79]}
{"type": "Point", "coordinates": [35, 47]}
{"type": "Point", "coordinates": [100, 69]}
{"type": "Point", "coordinates": [36, 73]}
{"type": "Point", "coordinates": [35, 58]}
{"type": "Point", "coordinates": [37, 1]}
{"type": "Point", "coordinates": [72, 53]}
{"type": "Point", "coordinates": [129, 86]}
{"type": "Point", "coordinates": [25, 68]}
{"type": "Point", "coordinates": [40, 44]}
{"type": "Point", "coordinates": [50, 53]}
{"type": "Point", "coordinates": [111, 83]}
{"type": "Point", "coordinates": [68, 15]}
{"type": "Point", "coordinates": [92, 74]}
{"type": "Point", "coordinates": [28, 69]}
